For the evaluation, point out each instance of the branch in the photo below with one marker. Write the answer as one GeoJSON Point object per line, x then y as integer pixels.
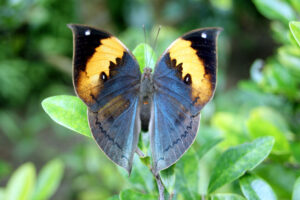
{"type": "Point", "coordinates": [160, 186]}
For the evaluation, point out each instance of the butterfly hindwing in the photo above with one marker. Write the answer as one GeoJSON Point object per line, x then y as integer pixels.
{"type": "Point", "coordinates": [116, 129]}
{"type": "Point", "coordinates": [184, 81]}
{"type": "Point", "coordinates": [172, 130]}
{"type": "Point", "coordinates": [107, 78]}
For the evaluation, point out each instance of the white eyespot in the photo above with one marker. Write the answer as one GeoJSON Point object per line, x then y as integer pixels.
{"type": "Point", "coordinates": [87, 32]}
{"type": "Point", "coordinates": [203, 35]}
{"type": "Point", "coordinates": [187, 79]}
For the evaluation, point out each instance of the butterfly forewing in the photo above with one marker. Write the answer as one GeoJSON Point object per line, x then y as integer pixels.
{"type": "Point", "coordinates": [107, 78]}
{"type": "Point", "coordinates": [184, 81]}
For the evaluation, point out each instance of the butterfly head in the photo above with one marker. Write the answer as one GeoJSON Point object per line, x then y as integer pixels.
{"type": "Point", "coordinates": [147, 73]}
{"type": "Point", "coordinates": [146, 88]}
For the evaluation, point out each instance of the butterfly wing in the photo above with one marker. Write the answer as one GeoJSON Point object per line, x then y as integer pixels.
{"type": "Point", "coordinates": [184, 81]}
{"type": "Point", "coordinates": [107, 77]}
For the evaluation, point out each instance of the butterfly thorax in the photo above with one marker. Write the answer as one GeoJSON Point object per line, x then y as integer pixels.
{"type": "Point", "coordinates": [146, 91]}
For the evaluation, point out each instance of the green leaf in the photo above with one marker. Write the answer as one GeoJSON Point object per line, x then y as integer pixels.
{"type": "Point", "coordinates": [226, 197]}
{"type": "Point", "coordinates": [295, 147]}
{"type": "Point", "coordinates": [144, 144]}
{"type": "Point", "coordinates": [264, 121]}
{"type": "Point", "coordinates": [115, 197]}
{"type": "Point", "coordinates": [208, 145]}
{"type": "Point", "coordinates": [289, 57]}
{"type": "Point", "coordinates": [278, 175]}
{"type": "Point", "coordinates": [48, 180]}
{"type": "Point", "coordinates": [140, 178]}
{"type": "Point", "coordinates": [20, 186]}
{"type": "Point", "coordinates": [145, 56]}
{"type": "Point", "coordinates": [187, 175]}
{"type": "Point", "coordinates": [280, 32]}
{"type": "Point", "coordinates": [232, 128]}
{"type": "Point", "coordinates": [168, 178]}
{"type": "Point", "coordinates": [277, 79]}
{"type": "Point", "coordinates": [295, 29]}
{"type": "Point", "coordinates": [275, 9]}
{"type": "Point", "coordinates": [134, 195]}
{"type": "Point", "coordinates": [296, 190]}
{"type": "Point", "coordinates": [68, 111]}
{"type": "Point", "coordinates": [255, 188]}
{"type": "Point", "coordinates": [296, 5]}
{"type": "Point", "coordinates": [234, 162]}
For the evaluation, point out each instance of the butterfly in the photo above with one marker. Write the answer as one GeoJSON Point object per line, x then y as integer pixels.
{"type": "Point", "coordinates": [122, 101]}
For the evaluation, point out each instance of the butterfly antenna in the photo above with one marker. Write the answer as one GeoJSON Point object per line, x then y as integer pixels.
{"type": "Point", "coordinates": [145, 48]}
{"type": "Point", "coordinates": [154, 45]}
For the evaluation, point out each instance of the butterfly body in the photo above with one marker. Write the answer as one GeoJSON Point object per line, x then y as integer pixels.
{"type": "Point", "coordinates": [122, 101]}
{"type": "Point", "coordinates": [146, 94]}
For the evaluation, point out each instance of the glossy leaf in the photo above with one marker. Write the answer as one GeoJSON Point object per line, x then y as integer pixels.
{"type": "Point", "coordinates": [48, 180]}
{"type": "Point", "coordinates": [68, 111]}
{"type": "Point", "coordinates": [231, 126]}
{"type": "Point", "coordinates": [140, 178]}
{"type": "Point", "coordinates": [204, 148]}
{"type": "Point", "coordinates": [295, 29]}
{"type": "Point", "coordinates": [276, 9]}
{"type": "Point", "coordinates": [277, 79]}
{"type": "Point", "coordinates": [289, 57]}
{"type": "Point", "coordinates": [234, 162]}
{"type": "Point", "coordinates": [264, 121]}
{"type": "Point", "coordinates": [187, 175]}
{"type": "Point", "coordinates": [255, 188]}
{"type": "Point", "coordinates": [145, 56]}
{"type": "Point", "coordinates": [278, 175]}
{"type": "Point", "coordinates": [296, 190]}
{"type": "Point", "coordinates": [168, 178]}
{"type": "Point", "coordinates": [296, 5]}
{"type": "Point", "coordinates": [21, 184]}
{"type": "Point", "coordinates": [226, 197]}
{"type": "Point", "coordinates": [134, 195]}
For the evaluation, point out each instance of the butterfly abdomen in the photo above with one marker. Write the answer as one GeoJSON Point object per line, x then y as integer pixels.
{"type": "Point", "coordinates": [146, 93]}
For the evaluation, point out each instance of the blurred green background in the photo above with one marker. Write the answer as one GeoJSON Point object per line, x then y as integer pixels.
{"type": "Point", "coordinates": [258, 91]}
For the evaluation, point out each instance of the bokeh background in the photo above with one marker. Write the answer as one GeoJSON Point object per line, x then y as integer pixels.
{"type": "Point", "coordinates": [259, 68]}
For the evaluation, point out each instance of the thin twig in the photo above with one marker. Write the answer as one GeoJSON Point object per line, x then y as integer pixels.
{"type": "Point", "coordinates": [161, 188]}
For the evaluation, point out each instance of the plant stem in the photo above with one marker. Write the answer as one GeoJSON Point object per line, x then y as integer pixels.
{"type": "Point", "coordinates": [160, 186]}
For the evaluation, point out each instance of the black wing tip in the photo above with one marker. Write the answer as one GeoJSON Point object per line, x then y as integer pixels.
{"type": "Point", "coordinates": [70, 26]}
{"type": "Point", "coordinates": [214, 29]}
{"type": "Point", "coordinates": [74, 26]}
{"type": "Point", "coordinates": [213, 32]}
{"type": "Point", "coordinates": [79, 28]}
